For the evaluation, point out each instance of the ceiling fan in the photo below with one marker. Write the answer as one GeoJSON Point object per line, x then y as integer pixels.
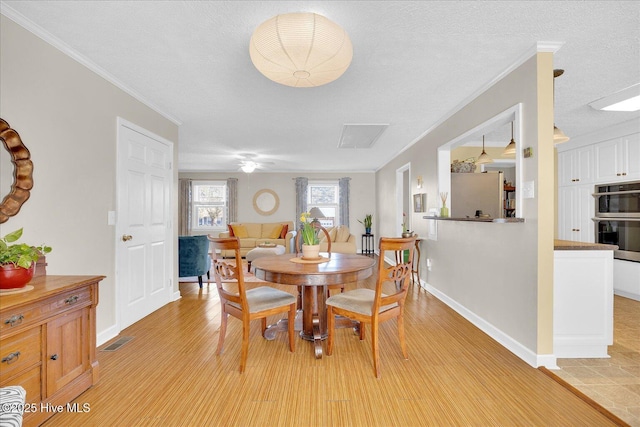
{"type": "Point", "coordinates": [248, 163]}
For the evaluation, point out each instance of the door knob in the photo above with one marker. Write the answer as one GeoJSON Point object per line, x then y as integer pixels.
{"type": "Point", "coordinates": [126, 237]}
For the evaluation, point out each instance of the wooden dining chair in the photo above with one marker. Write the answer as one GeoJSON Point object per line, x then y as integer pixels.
{"type": "Point", "coordinates": [246, 304]}
{"type": "Point", "coordinates": [372, 306]}
{"type": "Point", "coordinates": [298, 248]}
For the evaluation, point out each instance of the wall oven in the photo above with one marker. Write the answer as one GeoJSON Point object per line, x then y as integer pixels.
{"type": "Point", "coordinates": [617, 220]}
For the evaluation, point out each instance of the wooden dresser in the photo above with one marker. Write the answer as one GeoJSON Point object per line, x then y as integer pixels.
{"type": "Point", "coordinates": [48, 342]}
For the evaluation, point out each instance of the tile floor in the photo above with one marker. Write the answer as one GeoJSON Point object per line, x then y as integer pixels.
{"type": "Point", "coordinates": [615, 382]}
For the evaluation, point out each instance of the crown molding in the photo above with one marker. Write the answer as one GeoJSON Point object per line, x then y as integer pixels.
{"type": "Point", "coordinates": [538, 47]}
{"type": "Point", "coordinates": [40, 32]}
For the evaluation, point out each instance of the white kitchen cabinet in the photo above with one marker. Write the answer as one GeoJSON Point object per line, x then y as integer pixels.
{"type": "Point", "coordinates": [618, 159]}
{"type": "Point", "coordinates": [576, 167]}
{"type": "Point", "coordinates": [576, 207]}
{"type": "Point", "coordinates": [582, 303]}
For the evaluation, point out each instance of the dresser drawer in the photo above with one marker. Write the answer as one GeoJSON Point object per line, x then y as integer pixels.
{"type": "Point", "coordinates": [19, 352]}
{"type": "Point", "coordinates": [66, 301]}
{"type": "Point", "coordinates": [30, 381]}
{"type": "Point", "coordinates": [16, 318]}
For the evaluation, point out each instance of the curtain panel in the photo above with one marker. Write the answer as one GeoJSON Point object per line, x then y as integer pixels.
{"type": "Point", "coordinates": [184, 207]}
{"type": "Point", "coordinates": [232, 200]}
{"type": "Point", "coordinates": [343, 200]}
{"type": "Point", "coordinates": [301, 198]}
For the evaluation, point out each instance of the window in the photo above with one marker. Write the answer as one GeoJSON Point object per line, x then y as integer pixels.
{"type": "Point", "coordinates": [209, 205]}
{"type": "Point", "coordinates": [324, 196]}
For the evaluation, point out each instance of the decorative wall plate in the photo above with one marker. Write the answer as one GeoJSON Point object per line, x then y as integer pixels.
{"type": "Point", "coordinates": [266, 201]}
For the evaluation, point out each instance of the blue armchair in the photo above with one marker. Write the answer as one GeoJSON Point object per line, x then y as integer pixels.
{"type": "Point", "coordinates": [193, 257]}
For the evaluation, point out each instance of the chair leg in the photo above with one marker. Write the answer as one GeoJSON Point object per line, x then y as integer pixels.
{"type": "Point", "coordinates": [264, 325]}
{"type": "Point", "coordinates": [361, 327]}
{"type": "Point", "coordinates": [374, 348]}
{"type": "Point", "coordinates": [223, 331]}
{"type": "Point", "coordinates": [330, 329]}
{"type": "Point", "coordinates": [245, 346]}
{"type": "Point", "coordinates": [200, 281]}
{"type": "Point", "coordinates": [403, 344]}
{"type": "Point", "coordinates": [291, 327]}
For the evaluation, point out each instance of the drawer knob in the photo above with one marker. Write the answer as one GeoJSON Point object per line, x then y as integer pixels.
{"type": "Point", "coordinates": [54, 357]}
{"type": "Point", "coordinates": [11, 357]}
{"type": "Point", "coordinates": [72, 300]}
{"type": "Point", "coordinates": [16, 319]}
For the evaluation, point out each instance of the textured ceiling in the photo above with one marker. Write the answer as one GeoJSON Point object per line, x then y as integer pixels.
{"type": "Point", "coordinates": [413, 63]}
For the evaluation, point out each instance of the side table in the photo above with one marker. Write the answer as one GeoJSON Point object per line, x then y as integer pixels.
{"type": "Point", "coordinates": [416, 262]}
{"type": "Point", "coordinates": [367, 244]}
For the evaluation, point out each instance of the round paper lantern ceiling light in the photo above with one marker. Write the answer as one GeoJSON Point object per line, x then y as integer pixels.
{"type": "Point", "coordinates": [300, 50]}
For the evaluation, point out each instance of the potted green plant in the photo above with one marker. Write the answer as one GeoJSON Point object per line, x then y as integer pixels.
{"type": "Point", "coordinates": [18, 260]}
{"type": "Point", "coordinates": [310, 240]}
{"type": "Point", "coordinates": [368, 221]}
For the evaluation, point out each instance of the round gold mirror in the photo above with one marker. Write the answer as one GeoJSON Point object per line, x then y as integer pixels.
{"type": "Point", "coordinates": [22, 181]}
{"type": "Point", "coordinates": [266, 202]}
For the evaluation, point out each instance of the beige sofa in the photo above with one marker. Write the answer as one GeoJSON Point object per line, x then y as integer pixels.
{"type": "Point", "coordinates": [251, 234]}
{"type": "Point", "coordinates": [342, 241]}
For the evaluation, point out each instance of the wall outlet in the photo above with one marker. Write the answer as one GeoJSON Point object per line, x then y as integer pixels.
{"type": "Point", "coordinates": [429, 264]}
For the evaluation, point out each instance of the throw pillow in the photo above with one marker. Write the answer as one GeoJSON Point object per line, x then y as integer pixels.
{"type": "Point", "coordinates": [230, 230]}
{"type": "Point", "coordinates": [275, 233]}
{"type": "Point", "coordinates": [342, 234]}
{"type": "Point", "coordinates": [285, 230]}
{"type": "Point", "coordinates": [240, 231]}
{"type": "Point", "coordinates": [332, 234]}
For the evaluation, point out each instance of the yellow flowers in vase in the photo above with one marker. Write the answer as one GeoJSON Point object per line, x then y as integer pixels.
{"type": "Point", "coordinates": [309, 232]}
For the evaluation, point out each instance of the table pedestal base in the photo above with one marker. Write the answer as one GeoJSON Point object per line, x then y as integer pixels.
{"type": "Point", "coordinates": [317, 337]}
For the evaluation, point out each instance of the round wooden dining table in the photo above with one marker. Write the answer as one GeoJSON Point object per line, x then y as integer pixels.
{"type": "Point", "coordinates": [313, 278]}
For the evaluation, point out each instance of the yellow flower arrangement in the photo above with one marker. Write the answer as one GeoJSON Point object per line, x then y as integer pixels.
{"type": "Point", "coordinates": [309, 232]}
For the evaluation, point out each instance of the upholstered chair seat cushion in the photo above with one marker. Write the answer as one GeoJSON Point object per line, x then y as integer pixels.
{"type": "Point", "coordinates": [358, 300]}
{"type": "Point", "coordinates": [266, 298]}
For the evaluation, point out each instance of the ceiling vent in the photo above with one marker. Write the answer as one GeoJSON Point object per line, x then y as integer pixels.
{"type": "Point", "coordinates": [360, 135]}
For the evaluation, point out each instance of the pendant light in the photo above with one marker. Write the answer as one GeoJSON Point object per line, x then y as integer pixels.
{"type": "Point", "coordinates": [510, 150]}
{"type": "Point", "coordinates": [484, 157]}
{"type": "Point", "coordinates": [558, 136]}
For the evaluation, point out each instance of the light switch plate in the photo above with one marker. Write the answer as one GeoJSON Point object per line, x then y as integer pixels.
{"type": "Point", "coordinates": [528, 190]}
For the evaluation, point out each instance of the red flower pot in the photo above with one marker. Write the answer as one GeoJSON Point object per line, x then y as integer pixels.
{"type": "Point", "coordinates": [12, 277]}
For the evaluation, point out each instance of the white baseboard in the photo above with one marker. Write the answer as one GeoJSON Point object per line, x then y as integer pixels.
{"type": "Point", "coordinates": [176, 296]}
{"type": "Point", "coordinates": [531, 358]}
{"type": "Point", "coordinates": [626, 294]}
{"type": "Point", "coordinates": [107, 335]}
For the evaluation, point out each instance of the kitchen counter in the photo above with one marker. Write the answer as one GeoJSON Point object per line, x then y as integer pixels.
{"type": "Point", "coordinates": [568, 245]}
{"type": "Point", "coordinates": [474, 219]}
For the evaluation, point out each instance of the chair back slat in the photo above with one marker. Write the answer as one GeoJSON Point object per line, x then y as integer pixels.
{"type": "Point", "coordinates": [224, 271]}
{"type": "Point", "coordinates": [399, 274]}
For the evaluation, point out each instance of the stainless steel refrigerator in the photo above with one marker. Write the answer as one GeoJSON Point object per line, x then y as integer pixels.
{"type": "Point", "coordinates": [471, 192]}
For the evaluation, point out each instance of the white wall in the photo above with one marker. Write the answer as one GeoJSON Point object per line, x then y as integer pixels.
{"type": "Point", "coordinates": [66, 117]}
{"type": "Point", "coordinates": [362, 194]}
{"type": "Point", "coordinates": [499, 275]}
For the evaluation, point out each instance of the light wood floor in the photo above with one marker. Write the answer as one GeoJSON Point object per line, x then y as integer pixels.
{"type": "Point", "coordinates": [613, 382]}
{"type": "Point", "coordinates": [169, 375]}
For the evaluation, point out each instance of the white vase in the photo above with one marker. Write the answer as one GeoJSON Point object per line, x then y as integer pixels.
{"type": "Point", "coordinates": [310, 251]}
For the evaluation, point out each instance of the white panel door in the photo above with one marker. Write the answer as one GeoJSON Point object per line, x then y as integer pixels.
{"type": "Point", "coordinates": [143, 247]}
